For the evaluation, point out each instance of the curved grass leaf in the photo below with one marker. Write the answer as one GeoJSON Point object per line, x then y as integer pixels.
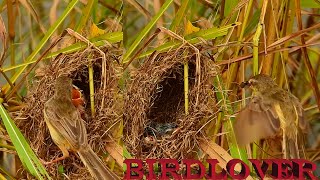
{"type": "Point", "coordinates": [25, 153]}
{"type": "Point", "coordinates": [193, 38]}
{"type": "Point", "coordinates": [126, 155]}
{"type": "Point", "coordinates": [183, 9]}
{"type": "Point", "coordinates": [2, 177]}
{"type": "Point", "coordinates": [145, 31]}
{"type": "Point", "coordinates": [85, 14]}
{"type": "Point", "coordinates": [97, 41]}
{"type": "Point", "coordinates": [43, 41]}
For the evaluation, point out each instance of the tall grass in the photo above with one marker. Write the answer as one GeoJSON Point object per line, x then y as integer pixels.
{"type": "Point", "coordinates": [242, 37]}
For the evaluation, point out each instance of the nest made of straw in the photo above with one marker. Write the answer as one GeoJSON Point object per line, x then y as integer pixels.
{"type": "Point", "coordinates": [99, 128]}
{"type": "Point", "coordinates": [156, 94]}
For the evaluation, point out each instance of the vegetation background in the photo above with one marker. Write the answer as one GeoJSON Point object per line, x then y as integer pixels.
{"type": "Point", "coordinates": [240, 38]}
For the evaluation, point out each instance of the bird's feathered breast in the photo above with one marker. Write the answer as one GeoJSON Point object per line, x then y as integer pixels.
{"type": "Point", "coordinates": [65, 118]}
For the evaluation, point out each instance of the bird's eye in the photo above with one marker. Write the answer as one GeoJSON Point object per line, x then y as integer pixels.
{"type": "Point", "coordinates": [252, 82]}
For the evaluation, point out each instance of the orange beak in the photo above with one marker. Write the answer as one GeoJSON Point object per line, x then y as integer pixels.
{"type": "Point", "coordinates": [77, 98]}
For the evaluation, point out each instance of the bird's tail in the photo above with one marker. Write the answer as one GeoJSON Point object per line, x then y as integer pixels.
{"type": "Point", "coordinates": [96, 168]}
{"type": "Point", "coordinates": [292, 149]}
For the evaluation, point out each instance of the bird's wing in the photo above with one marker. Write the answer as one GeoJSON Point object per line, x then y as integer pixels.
{"type": "Point", "coordinates": [256, 121]}
{"type": "Point", "coordinates": [300, 112]}
{"type": "Point", "coordinates": [68, 124]}
{"type": "Point", "coordinates": [286, 97]}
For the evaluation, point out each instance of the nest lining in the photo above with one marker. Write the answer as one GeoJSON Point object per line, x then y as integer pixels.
{"type": "Point", "coordinates": [156, 94]}
{"type": "Point", "coordinates": [32, 124]}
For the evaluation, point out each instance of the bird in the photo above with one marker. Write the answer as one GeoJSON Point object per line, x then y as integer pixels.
{"type": "Point", "coordinates": [270, 112]}
{"type": "Point", "coordinates": [160, 129]}
{"type": "Point", "coordinates": [68, 130]}
{"type": "Point", "coordinates": [155, 131]}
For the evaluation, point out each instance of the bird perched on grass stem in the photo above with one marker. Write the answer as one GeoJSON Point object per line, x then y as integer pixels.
{"type": "Point", "coordinates": [68, 130]}
{"type": "Point", "coordinates": [271, 111]}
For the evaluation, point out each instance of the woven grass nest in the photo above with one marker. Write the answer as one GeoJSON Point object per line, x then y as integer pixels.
{"type": "Point", "coordinates": [99, 128]}
{"type": "Point", "coordinates": [156, 95]}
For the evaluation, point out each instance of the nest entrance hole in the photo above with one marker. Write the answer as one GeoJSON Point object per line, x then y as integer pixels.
{"type": "Point", "coordinates": [80, 78]}
{"type": "Point", "coordinates": [169, 95]}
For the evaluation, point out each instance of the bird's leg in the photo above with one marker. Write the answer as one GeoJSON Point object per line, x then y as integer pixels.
{"type": "Point", "coordinates": [65, 154]}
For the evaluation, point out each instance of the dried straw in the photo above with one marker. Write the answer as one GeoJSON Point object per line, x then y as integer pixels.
{"type": "Point", "coordinates": [99, 128]}
{"type": "Point", "coordinates": [156, 94]}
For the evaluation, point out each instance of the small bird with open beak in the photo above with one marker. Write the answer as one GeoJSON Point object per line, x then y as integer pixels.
{"type": "Point", "coordinates": [68, 130]}
{"type": "Point", "coordinates": [271, 111]}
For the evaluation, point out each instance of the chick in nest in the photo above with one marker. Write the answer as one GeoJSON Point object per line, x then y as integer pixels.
{"type": "Point", "coordinates": [157, 130]}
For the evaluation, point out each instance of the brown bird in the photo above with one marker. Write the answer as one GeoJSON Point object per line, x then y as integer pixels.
{"type": "Point", "coordinates": [271, 111]}
{"type": "Point", "coordinates": [68, 130]}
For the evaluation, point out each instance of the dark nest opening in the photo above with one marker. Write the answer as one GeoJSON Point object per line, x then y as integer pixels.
{"type": "Point", "coordinates": [156, 125]}
{"type": "Point", "coordinates": [100, 128]}
{"type": "Point", "coordinates": [169, 95]}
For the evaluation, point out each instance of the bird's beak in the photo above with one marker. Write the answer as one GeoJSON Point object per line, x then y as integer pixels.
{"type": "Point", "coordinates": [245, 84]}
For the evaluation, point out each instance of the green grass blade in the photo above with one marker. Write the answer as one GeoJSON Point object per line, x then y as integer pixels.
{"type": "Point", "coordinates": [179, 16]}
{"type": "Point", "coordinates": [97, 41]}
{"type": "Point", "coordinates": [235, 150]}
{"type": "Point", "coordinates": [85, 14]}
{"type": "Point", "coordinates": [44, 40]}
{"type": "Point", "coordinates": [126, 155]}
{"type": "Point", "coordinates": [145, 31]}
{"type": "Point", "coordinates": [253, 22]}
{"type": "Point", "coordinates": [25, 153]}
{"type": "Point", "coordinates": [229, 6]}
{"type": "Point", "coordinates": [2, 177]}
{"type": "Point", "coordinates": [193, 38]}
